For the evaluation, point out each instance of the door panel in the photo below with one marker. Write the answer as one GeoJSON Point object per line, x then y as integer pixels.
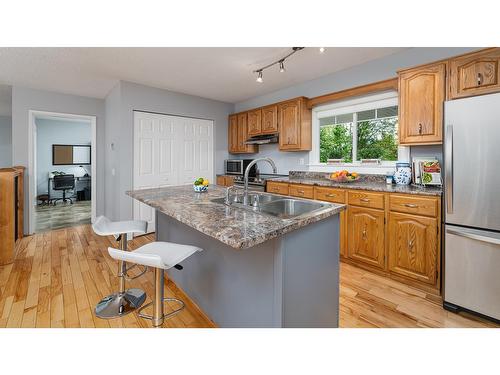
{"type": "Point", "coordinates": [366, 235]}
{"type": "Point", "coordinates": [169, 150]}
{"type": "Point", "coordinates": [289, 125]}
{"type": "Point", "coordinates": [471, 165]}
{"type": "Point", "coordinates": [413, 246]}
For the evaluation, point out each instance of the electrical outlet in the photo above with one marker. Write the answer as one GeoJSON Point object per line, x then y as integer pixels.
{"type": "Point", "coordinates": [301, 161]}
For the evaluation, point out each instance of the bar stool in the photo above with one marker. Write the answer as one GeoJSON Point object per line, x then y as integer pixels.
{"type": "Point", "coordinates": [125, 300]}
{"type": "Point", "coordinates": [161, 256]}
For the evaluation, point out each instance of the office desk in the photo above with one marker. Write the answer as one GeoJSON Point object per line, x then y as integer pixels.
{"type": "Point", "coordinates": [86, 179]}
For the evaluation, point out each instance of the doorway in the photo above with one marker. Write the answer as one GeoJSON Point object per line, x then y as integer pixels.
{"type": "Point", "coordinates": [169, 150]}
{"type": "Point", "coordinates": [62, 170]}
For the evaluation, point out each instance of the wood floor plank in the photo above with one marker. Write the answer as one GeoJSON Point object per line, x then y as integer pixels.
{"type": "Point", "coordinates": [59, 277]}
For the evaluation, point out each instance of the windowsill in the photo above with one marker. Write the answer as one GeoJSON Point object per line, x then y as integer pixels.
{"type": "Point", "coordinates": [353, 167]}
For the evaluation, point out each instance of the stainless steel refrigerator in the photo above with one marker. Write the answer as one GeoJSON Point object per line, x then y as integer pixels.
{"type": "Point", "coordinates": [472, 205]}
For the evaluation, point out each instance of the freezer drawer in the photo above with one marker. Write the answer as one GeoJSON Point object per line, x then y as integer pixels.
{"type": "Point", "coordinates": [472, 269]}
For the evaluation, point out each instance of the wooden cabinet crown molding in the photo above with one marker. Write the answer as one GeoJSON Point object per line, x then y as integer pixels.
{"type": "Point", "coordinates": [390, 84]}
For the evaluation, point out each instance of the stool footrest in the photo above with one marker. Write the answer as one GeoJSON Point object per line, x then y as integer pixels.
{"type": "Point", "coordinates": [165, 316]}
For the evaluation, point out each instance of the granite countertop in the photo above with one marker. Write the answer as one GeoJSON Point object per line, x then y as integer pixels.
{"type": "Point", "coordinates": [366, 182]}
{"type": "Point", "coordinates": [236, 227]}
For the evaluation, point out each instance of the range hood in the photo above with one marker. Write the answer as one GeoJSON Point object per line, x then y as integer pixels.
{"type": "Point", "coordinates": [262, 139]}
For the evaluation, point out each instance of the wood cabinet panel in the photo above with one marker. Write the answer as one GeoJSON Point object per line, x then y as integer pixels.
{"type": "Point", "coordinates": [329, 194]}
{"type": "Point", "coordinates": [221, 180]}
{"type": "Point", "coordinates": [421, 96]}
{"type": "Point", "coordinates": [475, 74]}
{"type": "Point", "coordinates": [365, 199]}
{"type": "Point", "coordinates": [254, 122]}
{"type": "Point", "coordinates": [366, 236]}
{"type": "Point", "coordinates": [294, 124]}
{"type": "Point", "coordinates": [413, 247]}
{"type": "Point", "coordinates": [301, 191]}
{"type": "Point", "coordinates": [233, 134]}
{"type": "Point", "coordinates": [270, 119]}
{"type": "Point", "coordinates": [413, 205]}
{"type": "Point", "coordinates": [277, 187]}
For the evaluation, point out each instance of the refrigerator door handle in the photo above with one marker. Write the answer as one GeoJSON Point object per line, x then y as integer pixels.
{"type": "Point", "coordinates": [475, 235]}
{"type": "Point", "coordinates": [449, 169]}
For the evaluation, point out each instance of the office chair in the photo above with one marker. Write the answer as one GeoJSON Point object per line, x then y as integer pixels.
{"type": "Point", "coordinates": [64, 182]}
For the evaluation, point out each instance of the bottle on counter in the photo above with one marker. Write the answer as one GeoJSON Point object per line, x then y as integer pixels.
{"type": "Point", "coordinates": [389, 175]}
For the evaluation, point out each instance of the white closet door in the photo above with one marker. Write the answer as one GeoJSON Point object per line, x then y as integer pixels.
{"type": "Point", "coordinates": [169, 150]}
{"type": "Point", "coordinates": [196, 150]}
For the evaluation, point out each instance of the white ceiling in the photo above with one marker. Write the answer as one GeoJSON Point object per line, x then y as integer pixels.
{"type": "Point", "coordinates": [217, 73]}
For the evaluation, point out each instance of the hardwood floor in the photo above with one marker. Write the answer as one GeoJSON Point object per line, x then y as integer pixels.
{"type": "Point", "coordinates": [61, 215]}
{"type": "Point", "coordinates": [60, 275]}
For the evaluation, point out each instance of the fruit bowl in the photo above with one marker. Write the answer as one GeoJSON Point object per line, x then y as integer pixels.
{"type": "Point", "coordinates": [200, 185]}
{"type": "Point", "coordinates": [200, 188]}
{"type": "Point", "coordinates": [344, 176]}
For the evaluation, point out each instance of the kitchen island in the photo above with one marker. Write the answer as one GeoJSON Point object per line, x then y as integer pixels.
{"type": "Point", "coordinates": [256, 270]}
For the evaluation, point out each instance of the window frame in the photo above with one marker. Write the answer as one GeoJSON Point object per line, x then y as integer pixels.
{"type": "Point", "coordinates": [368, 102]}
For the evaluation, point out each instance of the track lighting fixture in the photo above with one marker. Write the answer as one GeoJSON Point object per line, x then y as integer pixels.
{"type": "Point", "coordinates": [282, 66]}
{"type": "Point", "coordinates": [281, 63]}
{"type": "Point", "coordinates": [321, 49]}
{"type": "Point", "coordinates": [259, 77]}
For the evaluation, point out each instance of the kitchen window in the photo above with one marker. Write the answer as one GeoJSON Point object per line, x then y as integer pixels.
{"type": "Point", "coordinates": [363, 128]}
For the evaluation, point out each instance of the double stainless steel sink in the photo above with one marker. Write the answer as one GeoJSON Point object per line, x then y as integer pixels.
{"type": "Point", "coordinates": [275, 205]}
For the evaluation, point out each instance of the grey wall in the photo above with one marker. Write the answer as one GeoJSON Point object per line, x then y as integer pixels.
{"type": "Point", "coordinates": [120, 104]}
{"type": "Point", "coordinates": [369, 72]}
{"type": "Point", "coordinates": [5, 141]}
{"type": "Point", "coordinates": [26, 99]}
{"type": "Point", "coordinates": [51, 132]}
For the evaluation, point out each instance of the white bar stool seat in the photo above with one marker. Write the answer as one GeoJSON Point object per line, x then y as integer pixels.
{"type": "Point", "coordinates": [161, 256]}
{"type": "Point", "coordinates": [125, 300]}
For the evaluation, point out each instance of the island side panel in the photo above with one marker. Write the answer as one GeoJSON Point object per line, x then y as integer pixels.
{"type": "Point", "coordinates": [311, 275]}
{"type": "Point", "coordinates": [235, 288]}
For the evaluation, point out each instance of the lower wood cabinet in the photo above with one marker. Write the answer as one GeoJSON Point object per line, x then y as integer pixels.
{"type": "Point", "coordinates": [225, 180]}
{"type": "Point", "coordinates": [413, 247]}
{"type": "Point", "coordinates": [366, 242]}
{"type": "Point", "coordinates": [392, 234]}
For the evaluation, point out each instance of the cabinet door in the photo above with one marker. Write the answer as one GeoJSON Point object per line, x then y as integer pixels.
{"type": "Point", "coordinates": [413, 243]}
{"type": "Point", "coordinates": [270, 119]}
{"type": "Point", "coordinates": [421, 98]}
{"type": "Point", "coordinates": [255, 122]}
{"type": "Point", "coordinates": [289, 125]}
{"type": "Point", "coordinates": [366, 235]}
{"type": "Point", "coordinates": [242, 131]}
{"type": "Point", "coordinates": [221, 180]}
{"type": "Point", "coordinates": [475, 74]}
{"type": "Point", "coordinates": [233, 134]}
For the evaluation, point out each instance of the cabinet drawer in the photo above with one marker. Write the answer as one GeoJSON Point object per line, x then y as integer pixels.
{"type": "Point", "coordinates": [329, 194]}
{"type": "Point", "coordinates": [365, 199]}
{"type": "Point", "coordinates": [301, 191]}
{"type": "Point", "coordinates": [277, 187]}
{"type": "Point", "coordinates": [414, 205]}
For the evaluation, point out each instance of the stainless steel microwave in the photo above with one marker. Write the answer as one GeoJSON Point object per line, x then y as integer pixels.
{"type": "Point", "coordinates": [237, 167]}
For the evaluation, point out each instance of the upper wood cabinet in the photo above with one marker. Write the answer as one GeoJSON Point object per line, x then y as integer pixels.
{"type": "Point", "coordinates": [475, 74]}
{"type": "Point", "coordinates": [294, 124]}
{"type": "Point", "coordinates": [270, 119]}
{"type": "Point", "coordinates": [238, 134]}
{"type": "Point", "coordinates": [413, 247]}
{"type": "Point", "coordinates": [233, 134]}
{"type": "Point", "coordinates": [255, 122]}
{"type": "Point", "coordinates": [366, 235]}
{"type": "Point", "coordinates": [421, 96]}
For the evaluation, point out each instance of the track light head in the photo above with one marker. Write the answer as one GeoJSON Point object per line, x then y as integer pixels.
{"type": "Point", "coordinates": [259, 77]}
{"type": "Point", "coordinates": [282, 66]}
{"type": "Point", "coordinates": [321, 49]}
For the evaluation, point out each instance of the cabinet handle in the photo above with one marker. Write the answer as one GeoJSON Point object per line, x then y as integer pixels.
{"type": "Point", "coordinates": [410, 205]}
{"type": "Point", "coordinates": [420, 128]}
{"type": "Point", "coordinates": [331, 195]}
{"type": "Point", "coordinates": [364, 200]}
{"type": "Point", "coordinates": [479, 79]}
{"type": "Point", "coordinates": [301, 192]}
{"type": "Point", "coordinates": [410, 245]}
{"type": "Point", "coordinates": [363, 234]}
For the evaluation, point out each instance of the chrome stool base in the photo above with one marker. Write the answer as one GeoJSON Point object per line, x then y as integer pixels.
{"type": "Point", "coordinates": [159, 321]}
{"type": "Point", "coordinates": [120, 304]}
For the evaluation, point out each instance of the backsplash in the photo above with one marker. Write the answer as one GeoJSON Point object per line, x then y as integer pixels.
{"type": "Point", "coordinates": [325, 176]}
